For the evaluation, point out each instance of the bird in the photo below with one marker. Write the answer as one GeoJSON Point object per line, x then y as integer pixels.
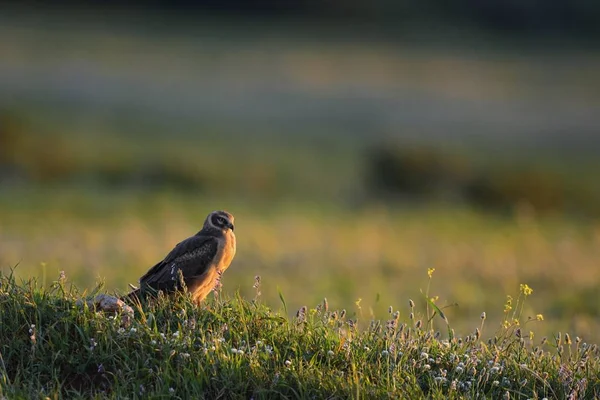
{"type": "Point", "coordinates": [198, 261]}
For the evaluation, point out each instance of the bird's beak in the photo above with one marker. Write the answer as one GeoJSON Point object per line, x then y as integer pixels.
{"type": "Point", "coordinates": [230, 226]}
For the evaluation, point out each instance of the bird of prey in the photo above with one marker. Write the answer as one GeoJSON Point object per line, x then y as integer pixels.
{"type": "Point", "coordinates": [199, 261]}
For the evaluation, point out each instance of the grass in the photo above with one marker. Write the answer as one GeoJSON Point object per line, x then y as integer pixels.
{"type": "Point", "coordinates": [310, 251]}
{"type": "Point", "coordinates": [231, 347]}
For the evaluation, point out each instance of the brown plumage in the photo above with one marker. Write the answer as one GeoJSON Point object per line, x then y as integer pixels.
{"type": "Point", "coordinates": [201, 259]}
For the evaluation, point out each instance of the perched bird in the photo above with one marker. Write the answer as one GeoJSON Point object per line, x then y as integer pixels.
{"type": "Point", "coordinates": [199, 261]}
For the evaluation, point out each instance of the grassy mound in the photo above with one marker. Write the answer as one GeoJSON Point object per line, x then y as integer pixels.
{"type": "Point", "coordinates": [234, 348]}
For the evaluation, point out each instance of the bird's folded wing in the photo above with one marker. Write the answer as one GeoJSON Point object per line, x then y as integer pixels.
{"type": "Point", "coordinates": [192, 257]}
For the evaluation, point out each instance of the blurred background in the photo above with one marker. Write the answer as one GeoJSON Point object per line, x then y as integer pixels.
{"type": "Point", "coordinates": [358, 144]}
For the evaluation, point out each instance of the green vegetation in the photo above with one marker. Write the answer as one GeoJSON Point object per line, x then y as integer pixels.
{"type": "Point", "coordinates": [315, 250]}
{"type": "Point", "coordinates": [52, 347]}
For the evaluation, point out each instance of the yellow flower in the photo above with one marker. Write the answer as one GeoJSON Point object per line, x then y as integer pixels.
{"type": "Point", "coordinates": [539, 317]}
{"type": "Point", "coordinates": [525, 289]}
{"type": "Point", "coordinates": [430, 271]}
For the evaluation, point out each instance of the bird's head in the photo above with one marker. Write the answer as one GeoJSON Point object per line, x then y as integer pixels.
{"type": "Point", "coordinates": [220, 220]}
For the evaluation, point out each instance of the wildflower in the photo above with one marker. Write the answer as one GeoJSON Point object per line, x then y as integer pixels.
{"type": "Point", "coordinates": [496, 383]}
{"type": "Point", "coordinates": [241, 352]}
{"type": "Point", "coordinates": [424, 355]}
{"type": "Point", "coordinates": [508, 304]}
{"type": "Point", "coordinates": [330, 353]}
{"type": "Point", "coordinates": [539, 317]}
{"type": "Point", "coordinates": [171, 390]}
{"type": "Point", "coordinates": [439, 379]}
{"type": "Point", "coordinates": [385, 353]}
{"type": "Point", "coordinates": [427, 367]}
{"type": "Point", "coordinates": [234, 350]}
{"type": "Point", "coordinates": [459, 370]}
{"type": "Point", "coordinates": [184, 355]}
{"type": "Point", "coordinates": [259, 343]}
{"type": "Point", "coordinates": [133, 330]}
{"type": "Point", "coordinates": [301, 314]}
{"type": "Point", "coordinates": [176, 334]}
{"type": "Point", "coordinates": [430, 272]}
{"type": "Point", "coordinates": [525, 289]}
{"type": "Point", "coordinates": [288, 363]}
{"type": "Point", "coordinates": [153, 342]}
{"type": "Point", "coordinates": [121, 331]}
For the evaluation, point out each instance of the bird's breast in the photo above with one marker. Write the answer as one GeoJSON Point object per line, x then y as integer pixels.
{"type": "Point", "coordinates": [227, 251]}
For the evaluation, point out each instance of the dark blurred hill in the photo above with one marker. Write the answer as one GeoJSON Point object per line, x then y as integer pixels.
{"type": "Point", "coordinates": [577, 19]}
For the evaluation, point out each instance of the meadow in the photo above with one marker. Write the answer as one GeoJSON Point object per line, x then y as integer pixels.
{"type": "Point", "coordinates": [375, 255]}
{"type": "Point", "coordinates": [116, 143]}
{"type": "Point", "coordinates": [55, 346]}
